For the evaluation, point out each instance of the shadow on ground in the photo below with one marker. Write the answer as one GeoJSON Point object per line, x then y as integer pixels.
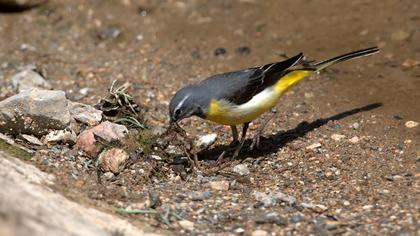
{"type": "Point", "coordinates": [274, 142]}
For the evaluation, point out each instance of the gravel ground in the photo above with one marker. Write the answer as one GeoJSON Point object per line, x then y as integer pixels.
{"type": "Point", "coordinates": [338, 158]}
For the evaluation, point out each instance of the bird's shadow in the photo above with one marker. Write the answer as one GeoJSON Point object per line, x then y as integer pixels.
{"type": "Point", "coordinates": [274, 142]}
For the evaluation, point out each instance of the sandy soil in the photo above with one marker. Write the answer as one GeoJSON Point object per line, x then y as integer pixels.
{"type": "Point", "coordinates": [368, 184]}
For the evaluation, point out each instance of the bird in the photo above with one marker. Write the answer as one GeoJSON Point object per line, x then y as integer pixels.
{"type": "Point", "coordinates": [239, 97]}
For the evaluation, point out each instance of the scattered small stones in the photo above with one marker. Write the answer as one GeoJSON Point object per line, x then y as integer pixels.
{"type": "Point", "coordinates": [28, 79]}
{"type": "Point", "coordinates": [206, 141]}
{"type": "Point", "coordinates": [112, 160]}
{"type": "Point", "coordinates": [219, 52]}
{"type": "Point", "coordinates": [106, 130]}
{"type": "Point", "coordinates": [242, 51]}
{"type": "Point", "coordinates": [31, 139]}
{"type": "Point", "coordinates": [337, 137]}
{"type": "Point", "coordinates": [186, 224]}
{"type": "Point", "coordinates": [85, 113]}
{"type": "Point", "coordinates": [355, 139]}
{"type": "Point", "coordinates": [411, 124]}
{"type": "Point", "coordinates": [61, 136]}
{"type": "Point", "coordinates": [271, 217]}
{"type": "Point", "coordinates": [314, 146]}
{"type": "Point", "coordinates": [199, 196]}
{"type": "Point", "coordinates": [34, 112]}
{"type": "Point", "coordinates": [241, 169]}
{"type": "Point", "coordinates": [222, 185]}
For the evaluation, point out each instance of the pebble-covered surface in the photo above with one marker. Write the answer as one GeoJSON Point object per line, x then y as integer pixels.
{"type": "Point", "coordinates": [341, 156]}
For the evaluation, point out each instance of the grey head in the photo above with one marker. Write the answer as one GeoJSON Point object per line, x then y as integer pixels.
{"type": "Point", "coordinates": [189, 101]}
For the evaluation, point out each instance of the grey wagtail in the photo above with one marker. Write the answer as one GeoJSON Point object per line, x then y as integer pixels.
{"type": "Point", "coordinates": [239, 97]}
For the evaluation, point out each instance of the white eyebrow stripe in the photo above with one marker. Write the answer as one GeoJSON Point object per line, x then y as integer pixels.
{"type": "Point", "coordinates": [182, 102]}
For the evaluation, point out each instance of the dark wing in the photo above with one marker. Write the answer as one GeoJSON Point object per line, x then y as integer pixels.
{"type": "Point", "coordinates": [239, 87]}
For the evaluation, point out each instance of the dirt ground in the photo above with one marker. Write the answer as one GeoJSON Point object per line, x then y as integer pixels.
{"type": "Point", "coordinates": [365, 182]}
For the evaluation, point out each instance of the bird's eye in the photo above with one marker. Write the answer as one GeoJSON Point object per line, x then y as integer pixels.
{"type": "Point", "coordinates": [177, 112]}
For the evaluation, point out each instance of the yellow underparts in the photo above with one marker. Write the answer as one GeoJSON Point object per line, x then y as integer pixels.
{"type": "Point", "coordinates": [226, 113]}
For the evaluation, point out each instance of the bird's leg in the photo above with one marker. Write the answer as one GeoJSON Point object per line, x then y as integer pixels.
{"type": "Point", "coordinates": [234, 135]}
{"type": "Point", "coordinates": [241, 143]}
{"type": "Point", "coordinates": [232, 144]}
{"type": "Point", "coordinates": [256, 140]}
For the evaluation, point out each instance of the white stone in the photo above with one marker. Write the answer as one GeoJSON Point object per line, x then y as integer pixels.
{"type": "Point", "coordinates": [411, 124]}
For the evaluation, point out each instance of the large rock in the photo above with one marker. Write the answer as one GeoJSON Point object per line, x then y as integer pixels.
{"type": "Point", "coordinates": [34, 112]}
{"type": "Point", "coordinates": [28, 79]}
{"type": "Point", "coordinates": [29, 207]}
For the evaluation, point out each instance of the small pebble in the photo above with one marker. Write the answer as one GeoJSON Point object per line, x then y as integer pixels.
{"type": "Point", "coordinates": [259, 232]}
{"type": "Point", "coordinates": [355, 125]}
{"type": "Point", "coordinates": [411, 124]}
{"type": "Point", "coordinates": [297, 218]}
{"type": "Point", "coordinates": [206, 141]}
{"type": "Point", "coordinates": [337, 137]}
{"type": "Point", "coordinates": [355, 139]}
{"type": "Point", "coordinates": [110, 33]}
{"type": "Point", "coordinates": [241, 169]}
{"type": "Point", "coordinates": [410, 63]}
{"type": "Point", "coordinates": [239, 230]}
{"type": "Point", "coordinates": [222, 185]}
{"type": "Point", "coordinates": [112, 160]}
{"type": "Point", "coordinates": [109, 175]}
{"type": "Point", "coordinates": [400, 35]}
{"type": "Point", "coordinates": [241, 51]}
{"type": "Point", "coordinates": [219, 52]}
{"type": "Point", "coordinates": [199, 196]}
{"type": "Point", "coordinates": [271, 217]}
{"type": "Point", "coordinates": [314, 146]}
{"type": "Point", "coordinates": [186, 224]}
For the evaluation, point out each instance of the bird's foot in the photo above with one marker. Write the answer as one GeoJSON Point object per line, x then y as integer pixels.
{"type": "Point", "coordinates": [255, 142]}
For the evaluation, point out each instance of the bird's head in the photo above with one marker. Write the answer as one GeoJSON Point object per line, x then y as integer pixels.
{"type": "Point", "coordinates": [187, 102]}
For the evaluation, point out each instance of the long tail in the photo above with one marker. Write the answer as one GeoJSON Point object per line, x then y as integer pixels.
{"type": "Point", "coordinates": [348, 56]}
{"type": "Point", "coordinates": [294, 76]}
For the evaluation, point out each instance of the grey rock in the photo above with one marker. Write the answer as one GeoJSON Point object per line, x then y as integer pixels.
{"type": "Point", "coordinates": [34, 112]}
{"type": "Point", "coordinates": [85, 113]}
{"type": "Point", "coordinates": [241, 169]}
{"type": "Point", "coordinates": [26, 187]}
{"type": "Point", "coordinates": [28, 79]}
{"type": "Point", "coordinates": [271, 217]}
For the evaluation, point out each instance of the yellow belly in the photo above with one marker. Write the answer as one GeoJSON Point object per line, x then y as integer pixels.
{"type": "Point", "coordinates": [224, 112]}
